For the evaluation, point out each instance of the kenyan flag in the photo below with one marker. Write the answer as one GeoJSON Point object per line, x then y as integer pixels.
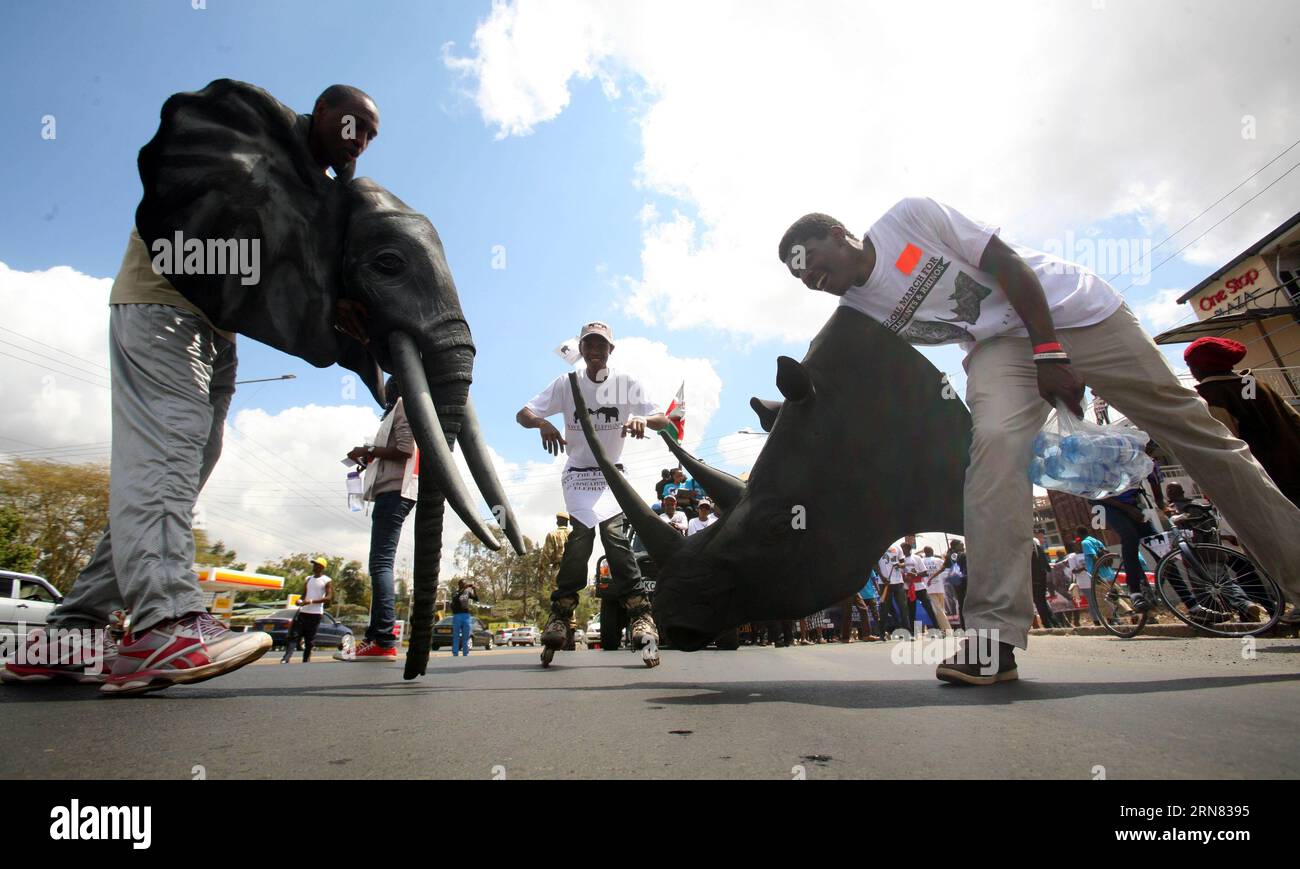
{"type": "Point", "coordinates": [677, 414]}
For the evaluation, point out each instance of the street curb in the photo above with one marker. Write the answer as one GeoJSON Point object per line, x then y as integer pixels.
{"type": "Point", "coordinates": [1178, 630]}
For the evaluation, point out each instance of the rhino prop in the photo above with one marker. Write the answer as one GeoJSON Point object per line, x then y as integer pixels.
{"type": "Point", "coordinates": [869, 444]}
{"type": "Point", "coordinates": [230, 164]}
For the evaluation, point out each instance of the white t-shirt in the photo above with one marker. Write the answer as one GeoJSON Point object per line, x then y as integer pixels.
{"type": "Point", "coordinates": [316, 586]}
{"type": "Point", "coordinates": [695, 526]}
{"type": "Point", "coordinates": [933, 563]}
{"type": "Point", "coordinates": [916, 564]}
{"type": "Point", "coordinates": [677, 520]}
{"type": "Point", "coordinates": [587, 497]}
{"type": "Point", "coordinates": [1075, 561]}
{"type": "Point", "coordinates": [887, 566]}
{"type": "Point", "coordinates": [928, 288]}
{"type": "Point", "coordinates": [610, 403]}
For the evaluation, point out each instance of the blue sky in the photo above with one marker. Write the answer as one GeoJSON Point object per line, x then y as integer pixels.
{"type": "Point", "coordinates": [580, 187]}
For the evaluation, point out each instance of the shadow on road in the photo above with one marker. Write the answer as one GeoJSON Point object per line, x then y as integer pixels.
{"type": "Point", "coordinates": [913, 694]}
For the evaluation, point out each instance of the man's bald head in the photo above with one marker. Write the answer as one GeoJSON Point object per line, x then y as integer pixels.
{"type": "Point", "coordinates": [344, 121]}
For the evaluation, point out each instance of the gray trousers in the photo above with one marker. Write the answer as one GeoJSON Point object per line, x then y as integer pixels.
{"type": "Point", "coordinates": [173, 378]}
{"type": "Point", "coordinates": [1122, 365]}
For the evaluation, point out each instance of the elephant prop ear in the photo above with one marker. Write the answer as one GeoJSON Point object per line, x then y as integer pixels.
{"type": "Point", "coordinates": [253, 227]}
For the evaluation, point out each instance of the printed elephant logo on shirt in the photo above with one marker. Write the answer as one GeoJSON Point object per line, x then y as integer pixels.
{"type": "Point", "coordinates": [610, 414]}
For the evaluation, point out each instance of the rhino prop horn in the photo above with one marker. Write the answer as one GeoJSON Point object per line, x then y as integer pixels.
{"type": "Point", "coordinates": [723, 488]}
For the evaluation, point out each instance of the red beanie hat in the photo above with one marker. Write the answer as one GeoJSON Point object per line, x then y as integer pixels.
{"type": "Point", "coordinates": [1214, 354]}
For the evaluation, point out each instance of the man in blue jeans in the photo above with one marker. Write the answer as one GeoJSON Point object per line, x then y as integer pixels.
{"type": "Point", "coordinates": [462, 624]}
{"type": "Point", "coordinates": [392, 484]}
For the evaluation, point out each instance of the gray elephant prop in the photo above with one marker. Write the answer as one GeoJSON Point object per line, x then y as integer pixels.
{"type": "Point", "coordinates": [869, 444]}
{"type": "Point", "coordinates": [229, 164]}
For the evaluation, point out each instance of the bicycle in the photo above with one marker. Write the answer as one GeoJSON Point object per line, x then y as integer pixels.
{"type": "Point", "coordinates": [1201, 582]}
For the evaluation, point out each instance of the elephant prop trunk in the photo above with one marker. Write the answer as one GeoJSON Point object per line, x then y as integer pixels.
{"type": "Point", "coordinates": [435, 428]}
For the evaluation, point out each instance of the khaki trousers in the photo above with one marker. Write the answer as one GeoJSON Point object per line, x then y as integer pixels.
{"type": "Point", "coordinates": [1122, 365]}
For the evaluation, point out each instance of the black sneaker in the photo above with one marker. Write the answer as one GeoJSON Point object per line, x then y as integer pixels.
{"type": "Point", "coordinates": [1141, 603]}
{"type": "Point", "coordinates": [1205, 616]}
{"type": "Point", "coordinates": [957, 671]}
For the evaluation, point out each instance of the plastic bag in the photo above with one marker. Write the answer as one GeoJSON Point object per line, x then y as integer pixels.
{"type": "Point", "coordinates": [1089, 460]}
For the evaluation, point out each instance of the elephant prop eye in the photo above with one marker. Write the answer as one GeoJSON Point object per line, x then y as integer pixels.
{"type": "Point", "coordinates": [388, 263]}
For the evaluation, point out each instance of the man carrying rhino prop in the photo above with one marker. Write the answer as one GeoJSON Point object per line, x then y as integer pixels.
{"type": "Point", "coordinates": [822, 499]}
{"type": "Point", "coordinates": [1035, 329]}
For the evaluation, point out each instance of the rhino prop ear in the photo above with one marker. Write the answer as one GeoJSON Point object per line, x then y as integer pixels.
{"type": "Point", "coordinates": [228, 177]}
{"type": "Point", "coordinates": [766, 410]}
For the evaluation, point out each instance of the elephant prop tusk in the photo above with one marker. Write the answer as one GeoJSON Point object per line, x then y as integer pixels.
{"type": "Point", "coordinates": [436, 461]}
{"type": "Point", "coordinates": [476, 455]}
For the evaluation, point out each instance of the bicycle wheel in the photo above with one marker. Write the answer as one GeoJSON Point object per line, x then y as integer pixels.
{"type": "Point", "coordinates": [1109, 600]}
{"type": "Point", "coordinates": [1219, 591]}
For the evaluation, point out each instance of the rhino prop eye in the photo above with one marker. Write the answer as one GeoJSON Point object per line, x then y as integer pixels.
{"type": "Point", "coordinates": [388, 263]}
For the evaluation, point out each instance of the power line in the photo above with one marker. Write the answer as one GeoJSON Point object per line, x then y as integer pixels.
{"type": "Point", "coordinates": [54, 370]}
{"type": "Point", "coordinates": [1213, 204]}
{"type": "Point", "coordinates": [1216, 224]}
{"type": "Point", "coordinates": [55, 349]}
{"type": "Point", "coordinates": [53, 359]}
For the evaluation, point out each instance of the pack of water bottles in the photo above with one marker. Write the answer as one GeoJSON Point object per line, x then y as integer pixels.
{"type": "Point", "coordinates": [1086, 459]}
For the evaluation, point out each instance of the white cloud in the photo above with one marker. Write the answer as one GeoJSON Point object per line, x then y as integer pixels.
{"type": "Point", "coordinates": [1162, 310]}
{"type": "Point", "coordinates": [535, 49]}
{"type": "Point", "coordinates": [1037, 116]}
{"type": "Point", "coordinates": [54, 363]}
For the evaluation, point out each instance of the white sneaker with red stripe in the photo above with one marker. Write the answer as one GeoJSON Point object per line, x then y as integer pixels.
{"type": "Point", "coordinates": [190, 649]}
{"type": "Point", "coordinates": [369, 650]}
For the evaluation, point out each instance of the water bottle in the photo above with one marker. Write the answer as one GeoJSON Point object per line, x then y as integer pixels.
{"type": "Point", "coordinates": [355, 492]}
{"type": "Point", "coordinates": [1080, 449]}
{"type": "Point", "coordinates": [1045, 440]}
{"type": "Point", "coordinates": [1056, 467]}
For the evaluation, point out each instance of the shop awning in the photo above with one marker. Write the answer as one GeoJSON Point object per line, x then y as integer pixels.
{"type": "Point", "coordinates": [1222, 324]}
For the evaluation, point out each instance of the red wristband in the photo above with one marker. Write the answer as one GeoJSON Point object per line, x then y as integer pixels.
{"type": "Point", "coordinates": [1052, 347]}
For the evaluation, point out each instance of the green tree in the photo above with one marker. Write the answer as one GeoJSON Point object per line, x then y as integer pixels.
{"type": "Point", "coordinates": [207, 552]}
{"type": "Point", "coordinates": [15, 554]}
{"type": "Point", "coordinates": [64, 510]}
{"type": "Point", "coordinates": [351, 583]}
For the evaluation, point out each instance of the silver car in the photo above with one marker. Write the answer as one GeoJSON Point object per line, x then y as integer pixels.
{"type": "Point", "coordinates": [528, 636]}
{"type": "Point", "coordinates": [25, 599]}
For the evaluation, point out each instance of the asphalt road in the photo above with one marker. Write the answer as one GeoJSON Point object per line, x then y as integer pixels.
{"type": "Point", "coordinates": [1084, 707]}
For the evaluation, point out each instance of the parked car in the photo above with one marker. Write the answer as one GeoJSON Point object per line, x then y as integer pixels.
{"type": "Point", "coordinates": [528, 636]}
{"type": "Point", "coordinates": [593, 632]}
{"type": "Point", "coordinates": [25, 599]}
{"type": "Point", "coordinates": [480, 637]}
{"type": "Point", "coordinates": [503, 635]}
{"type": "Point", "coordinates": [332, 634]}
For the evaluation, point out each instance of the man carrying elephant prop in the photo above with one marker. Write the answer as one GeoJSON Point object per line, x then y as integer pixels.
{"type": "Point", "coordinates": [348, 274]}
